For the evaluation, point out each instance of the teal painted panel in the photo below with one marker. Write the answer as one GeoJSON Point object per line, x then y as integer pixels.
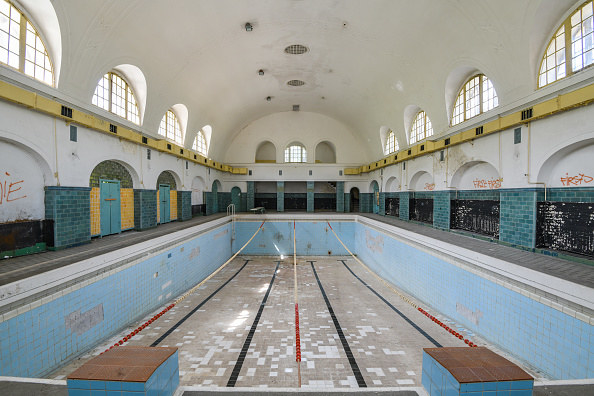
{"type": "Point", "coordinates": [164, 199]}
{"type": "Point", "coordinates": [109, 207]}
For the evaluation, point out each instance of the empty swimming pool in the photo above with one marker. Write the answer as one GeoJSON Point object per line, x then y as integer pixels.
{"type": "Point", "coordinates": [363, 318]}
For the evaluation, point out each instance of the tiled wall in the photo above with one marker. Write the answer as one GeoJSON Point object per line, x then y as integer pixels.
{"type": "Point", "coordinates": [574, 194]}
{"type": "Point", "coordinates": [517, 216]}
{"type": "Point", "coordinates": [172, 205]}
{"type": "Point", "coordinates": [184, 207]}
{"type": "Point", "coordinates": [310, 196]}
{"type": "Point", "coordinates": [127, 208]}
{"type": "Point", "coordinates": [45, 335]}
{"type": "Point", "coordinates": [69, 208]}
{"type": "Point", "coordinates": [145, 209]}
{"type": "Point", "coordinates": [95, 212]}
{"type": "Point", "coordinates": [251, 195]}
{"type": "Point", "coordinates": [340, 196]}
{"type": "Point", "coordinates": [557, 343]}
{"type": "Point", "coordinates": [280, 196]}
{"type": "Point", "coordinates": [441, 209]}
{"type": "Point", "coordinates": [276, 238]}
{"type": "Point", "coordinates": [404, 206]}
{"type": "Point", "coordinates": [110, 170]}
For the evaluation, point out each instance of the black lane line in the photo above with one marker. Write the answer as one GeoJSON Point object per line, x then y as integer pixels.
{"type": "Point", "coordinates": [248, 340]}
{"type": "Point", "coordinates": [182, 320]}
{"type": "Point", "coordinates": [343, 340]}
{"type": "Point", "coordinates": [413, 324]}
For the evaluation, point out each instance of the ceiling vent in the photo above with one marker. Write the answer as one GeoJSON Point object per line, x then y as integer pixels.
{"type": "Point", "coordinates": [295, 107]}
{"type": "Point", "coordinates": [296, 83]}
{"type": "Point", "coordinates": [296, 49]}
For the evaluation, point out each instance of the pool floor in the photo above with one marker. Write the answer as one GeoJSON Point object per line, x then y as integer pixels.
{"type": "Point", "coordinates": [379, 345]}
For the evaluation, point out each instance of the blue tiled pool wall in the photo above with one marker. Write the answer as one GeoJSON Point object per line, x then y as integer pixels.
{"type": "Point", "coordinates": [42, 339]}
{"type": "Point", "coordinates": [276, 238]}
{"type": "Point", "coordinates": [556, 343]}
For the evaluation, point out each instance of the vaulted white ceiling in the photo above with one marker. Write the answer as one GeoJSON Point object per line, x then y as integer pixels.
{"type": "Point", "coordinates": [368, 60]}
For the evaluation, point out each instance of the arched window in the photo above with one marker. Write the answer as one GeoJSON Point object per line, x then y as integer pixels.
{"type": "Point", "coordinates": [115, 95]}
{"type": "Point", "coordinates": [569, 53]}
{"type": "Point", "coordinates": [295, 153]}
{"type": "Point", "coordinates": [391, 144]}
{"type": "Point", "coordinates": [21, 46]}
{"type": "Point", "coordinates": [200, 144]}
{"type": "Point", "coordinates": [170, 128]}
{"type": "Point", "coordinates": [421, 128]}
{"type": "Point", "coordinates": [477, 96]}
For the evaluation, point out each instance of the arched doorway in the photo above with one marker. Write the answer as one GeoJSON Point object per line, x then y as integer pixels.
{"type": "Point", "coordinates": [354, 206]}
{"type": "Point", "coordinates": [374, 187]}
{"type": "Point", "coordinates": [236, 198]}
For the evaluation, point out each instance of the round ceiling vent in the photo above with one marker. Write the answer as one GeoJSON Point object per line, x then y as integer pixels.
{"type": "Point", "coordinates": [295, 83]}
{"type": "Point", "coordinates": [296, 49]}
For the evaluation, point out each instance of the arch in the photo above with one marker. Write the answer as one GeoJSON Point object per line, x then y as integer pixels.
{"type": "Point", "coordinates": [295, 152]}
{"type": "Point", "coordinates": [570, 166]}
{"type": "Point", "coordinates": [134, 177]}
{"type": "Point", "coordinates": [410, 112]}
{"type": "Point", "coordinates": [373, 186]}
{"type": "Point", "coordinates": [199, 144]}
{"type": "Point", "coordinates": [169, 177]}
{"type": "Point", "coordinates": [198, 188]}
{"type": "Point", "coordinates": [354, 196]}
{"type": "Point", "coordinates": [392, 184]}
{"type": "Point", "coordinates": [266, 152]}
{"type": "Point", "coordinates": [170, 127]}
{"type": "Point", "coordinates": [207, 130]}
{"type": "Point", "coordinates": [216, 186]}
{"type": "Point", "coordinates": [46, 170]}
{"type": "Point", "coordinates": [374, 190]}
{"type": "Point", "coordinates": [421, 181]}
{"type": "Point", "coordinates": [421, 128]}
{"type": "Point", "coordinates": [22, 181]}
{"type": "Point", "coordinates": [475, 175]}
{"type": "Point", "coordinates": [236, 197]}
{"type": "Point", "coordinates": [325, 153]}
{"type": "Point", "coordinates": [111, 170]}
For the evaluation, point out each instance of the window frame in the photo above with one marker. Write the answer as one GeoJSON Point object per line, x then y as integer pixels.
{"type": "Point", "coordinates": [175, 122]}
{"type": "Point", "coordinates": [302, 154]}
{"type": "Point", "coordinates": [394, 146]}
{"type": "Point", "coordinates": [24, 22]}
{"type": "Point", "coordinates": [196, 147]}
{"type": "Point", "coordinates": [568, 59]}
{"type": "Point", "coordinates": [462, 94]}
{"type": "Point", "coordinates": [110, 105]}
{"type": "Point", "coordinates": [414, 137]}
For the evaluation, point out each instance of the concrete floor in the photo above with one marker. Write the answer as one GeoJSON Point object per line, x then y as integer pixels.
{"type": "Point", "coordinates": [385, 347]}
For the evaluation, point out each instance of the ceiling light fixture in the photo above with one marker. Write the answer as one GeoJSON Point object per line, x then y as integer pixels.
{"type": "Point", "coordinates": [269, 98]}
{"type": "Point", "coordinates": [248, 27]}
{"type": "Point", "coordinates": [261, 72]}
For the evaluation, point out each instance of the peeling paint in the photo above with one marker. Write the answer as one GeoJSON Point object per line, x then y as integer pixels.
{"type": "Point", "coordinates": [473, 316]}
{"type": "Point", "coordinates": [195, 252]}
{"type": "Point", "coordinates": [221, 234]}
{"type": "Point", "coordinates": [80, 323]}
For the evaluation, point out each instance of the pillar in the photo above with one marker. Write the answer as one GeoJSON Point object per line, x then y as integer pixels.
{"type": "Point", "coordinates": [280, 196]}
{"type": "Point", "coordinates": [145, 209]}
{"type": "Point", "coordinates": [340, 197]}
{"type": "Point", "coordinates": [310, 196]}
{"type": "Point", "coordinates": [70, 210]}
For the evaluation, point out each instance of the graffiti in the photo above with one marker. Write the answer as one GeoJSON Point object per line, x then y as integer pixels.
{"type": "Point", "coordinates": [490, 184]}
{"type": "Point", "coordinates": [576, 180]}
{"type": "Point", "coordinates": [429, 187]}
{"type": "Point", "coordinates": [8, 188]}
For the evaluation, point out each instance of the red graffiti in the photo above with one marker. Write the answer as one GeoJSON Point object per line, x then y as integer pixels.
{"type": "Point", "coordinates": [576, 180]}
{"type": "Point", "coordinates": [430, 187]}
{"type": "Point", "coordinates": [7, 190]}
{"type": "Point", "coordinates": [490, 184]}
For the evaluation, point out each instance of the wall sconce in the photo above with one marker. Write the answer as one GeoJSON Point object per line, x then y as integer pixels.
{"type": "Point", "coordinates": [261, 72]}
{"type": "Point", "coordinates": [248, 27]}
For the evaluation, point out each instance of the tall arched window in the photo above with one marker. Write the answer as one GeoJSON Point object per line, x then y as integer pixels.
{"type": "Point", "coordinates": [569, 53]}
{"type": "Point", "coordinates": [200, 144]}
{"type": "Point", "coordinates": [295, 153]}
{"type": "Point", "coordinates": [391, 144]}
{"type": "Point", "coordinates": [477, 96]}
{"type": "Point", "coordinates": [115, 95]}
{"type": "Point", "coordinates": [21, 46]}
{"type": "Point", "coordinates": [170, 128]}
{"type": "Point", "coordinates": [421, 128]}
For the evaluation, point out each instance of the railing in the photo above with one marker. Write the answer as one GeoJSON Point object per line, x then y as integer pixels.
{"type": "Point", "coordinates": [231, 212]}
{"type": "Point", "coordinates": [477, 216]}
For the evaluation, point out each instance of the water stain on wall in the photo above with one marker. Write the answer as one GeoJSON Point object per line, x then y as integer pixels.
{"type": "Point", "coordinates": [221, 234]}
{"type": "Point", "coordinates": [375, 244]}
{"type": "Point", "coordinates": [80, 323]}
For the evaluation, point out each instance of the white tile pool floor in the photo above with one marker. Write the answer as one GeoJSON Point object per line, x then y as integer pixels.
{"type": "Point", "coordinates": [385, 348]}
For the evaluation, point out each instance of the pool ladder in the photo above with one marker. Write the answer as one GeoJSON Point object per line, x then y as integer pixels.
{"type": "Point", "coordinates": [231, 212]}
